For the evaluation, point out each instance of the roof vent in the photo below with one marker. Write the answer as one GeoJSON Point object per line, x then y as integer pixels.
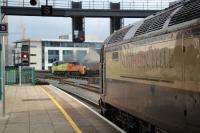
{"type": "Point", "coordinates": [155, 23]}
{"type": "Point", "coordinates": [189, 11]}
{"type": "Point", "coordinates": [119, 35]}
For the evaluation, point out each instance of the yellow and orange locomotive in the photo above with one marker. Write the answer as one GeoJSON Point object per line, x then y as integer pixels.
{"type": "Point", "coordinates": [68, 68]}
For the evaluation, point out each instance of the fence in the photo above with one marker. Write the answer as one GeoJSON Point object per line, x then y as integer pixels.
{"type": "Point", "coordinates": [13, 74]}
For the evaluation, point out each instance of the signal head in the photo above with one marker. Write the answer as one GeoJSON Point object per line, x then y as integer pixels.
{"type": "Point", "coordinates": [81, 38]}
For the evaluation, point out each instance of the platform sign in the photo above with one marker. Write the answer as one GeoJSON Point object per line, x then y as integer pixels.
{"type": "Point", "coordinates": [3, 28]}
{"type": "Point", "coordinates": [46, 10]}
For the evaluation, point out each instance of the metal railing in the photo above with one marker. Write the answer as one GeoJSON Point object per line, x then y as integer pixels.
{"type": "Point", "coordinates": [19, 75]}
{"type": "Point", "coordinates": [95, 4]}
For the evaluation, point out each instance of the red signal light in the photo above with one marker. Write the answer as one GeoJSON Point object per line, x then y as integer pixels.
{"type": "Point", "coordinates": [81, 38]}
{"type": "Point", "coordinates": [25, 56]}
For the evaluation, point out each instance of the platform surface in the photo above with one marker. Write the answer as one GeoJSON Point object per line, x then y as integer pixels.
{"type": "Point", "coordinates": [30, 110]}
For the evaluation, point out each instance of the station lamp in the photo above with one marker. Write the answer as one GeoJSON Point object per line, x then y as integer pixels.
{"type": "Point", "coordinates": [33, 2]}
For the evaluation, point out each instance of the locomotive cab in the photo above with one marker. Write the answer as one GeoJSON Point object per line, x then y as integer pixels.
{"type": "Point", "coordinates": [53, 67]}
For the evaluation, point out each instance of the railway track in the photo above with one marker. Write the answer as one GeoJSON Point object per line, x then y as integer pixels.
{"type": "Point", "coordinates": [91, 85]}
{"type": "Point", "coordinates": [78, 86]}
{"type": "Point", "coordinates": [83, 86]}
{"type": "Point", "coordinates": [91, 103]}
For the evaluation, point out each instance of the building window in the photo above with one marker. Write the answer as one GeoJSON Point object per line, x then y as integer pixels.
{"type": "Point", "coordinates": [53, 55]}
{"type": "Point", "coordinates": [42, 56]}
{"type": "Point", "coordinates": [33, 63]}
{"type": "Point", "coordinates": [46, 44]}
{"type": "Point", "coordinates": [81, 45]}
{"type": "Point", "coordinates": [51, 44]}
{"type": "Point", "coordinates": [68, 55]}
{"type": "Point", "coordinates": [55, 44]}
{"type": "Point", "coordinates": [67, 44]}
{"type": "Point", "coordinates": [33, 46]}
{"type": "Point", "coordinates": [25, 48]}
{"type": "Point", "coordinates": [33, 54]}
{"type": "Point", "coordinates": [80, 54]}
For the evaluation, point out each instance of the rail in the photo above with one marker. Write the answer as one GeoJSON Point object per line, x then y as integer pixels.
{"type": "Point", "coordinates": [94, 4]}
{"type": "Point", "coordinates": [83, 86]}
{"type": "Point", "coordinates": [90, 87]}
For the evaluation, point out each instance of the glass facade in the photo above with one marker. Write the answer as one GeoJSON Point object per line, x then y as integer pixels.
{"type": "Point", "coordinates": [53, 55]}
{"type": "Point", "coordinates": [80, 54]}
{"type": "Point", "coordinates": [71, 44]}
{"type": "Point", "coordinates": [68, 55]}
{"type": "Point", "coordinates": [81, 45]}
{"type": "Point", "coordinates": [52, 44]}
{"type": "Point", "coordinates": [65, 44]}
{"type": "Point", "coordinates": [98, 45]}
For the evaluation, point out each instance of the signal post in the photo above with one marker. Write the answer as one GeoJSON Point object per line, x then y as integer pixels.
{"type": "Point", "coordinates": [78, 25]}
{"type": "Point", "coordinates": [3, 33]}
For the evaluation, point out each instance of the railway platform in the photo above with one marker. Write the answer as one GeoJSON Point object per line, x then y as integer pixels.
{"type": "Point", "coordinates": [46, 109]}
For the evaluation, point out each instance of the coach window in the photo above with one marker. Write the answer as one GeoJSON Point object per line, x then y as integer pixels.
{"type": "Point", "coordinates": [115, 56]}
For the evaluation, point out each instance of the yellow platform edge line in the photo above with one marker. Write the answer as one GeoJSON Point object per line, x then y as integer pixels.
{"type": "Point", "coordinates": [67, 116]}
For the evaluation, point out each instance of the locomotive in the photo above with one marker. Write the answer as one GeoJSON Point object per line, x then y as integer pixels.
{"type": "Point", "coordinates": [88, 66]}
{"type": "Point", "coordinates": [68, 68]}
{"type": "Point", "coordinates": [150, 72]}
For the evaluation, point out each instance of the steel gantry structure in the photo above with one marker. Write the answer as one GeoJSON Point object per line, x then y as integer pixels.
{"type": "Point", "coordinates": [86, 8]}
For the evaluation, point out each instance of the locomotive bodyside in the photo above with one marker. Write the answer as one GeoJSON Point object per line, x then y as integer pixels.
{"type": "Point", "coordinates": [68, 68]}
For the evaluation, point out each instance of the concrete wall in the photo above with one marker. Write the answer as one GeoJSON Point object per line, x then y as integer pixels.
{"type": "Point", "coordinates": [36, 55]}
{"type": "Point", "coordinates": [9, 56]}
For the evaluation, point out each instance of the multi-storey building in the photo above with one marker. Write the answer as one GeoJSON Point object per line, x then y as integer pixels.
{"type": "Point", "coordinates": [43, 52]}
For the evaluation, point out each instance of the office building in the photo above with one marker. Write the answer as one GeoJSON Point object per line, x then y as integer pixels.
{"type": "Point", "coordinates": [43, 52]}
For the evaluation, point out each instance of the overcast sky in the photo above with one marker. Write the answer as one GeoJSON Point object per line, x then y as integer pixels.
{"type": "Point", "coordinates": [51, 27]}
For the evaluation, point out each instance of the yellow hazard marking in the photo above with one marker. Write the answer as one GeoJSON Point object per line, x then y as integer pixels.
{"type": "Point", "coordinates": [68, 118]}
